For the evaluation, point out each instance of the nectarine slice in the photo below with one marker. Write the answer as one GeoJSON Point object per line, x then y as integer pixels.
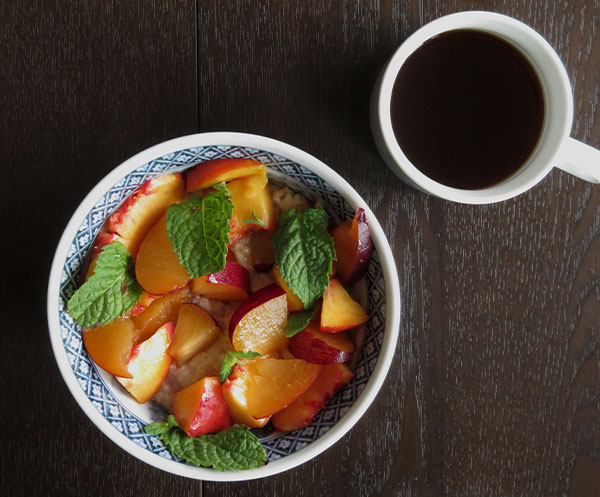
{"type": "Point", "coordinates": [211, 172]}
{"type": "Point", "coordinates": [257, 324]}
{"type": "Point", "coordinates": [194, 332]}
{"type": "Point", "coordinates": [110, 346]}
{"type": "Point", "coordinates": [353, 247]}
{"type": "Point", "coordinates": [201, 408]}
{"type": "Point", "coordinates": [340, 311]}
{"type": "Point", "coordinates": [232, 283]}
{"type": "Point", "coordinates": [148, 365]}
{"type": "Point", "coordinates": [319, 347]}
{"type": "Point", "coordinates": [160, 311]}
{"type": "Point", "coordinates": [144, 207]}
{"type": "Point", "coordinates": [293, 301]}
{"type": "Point", "coordinates": [157, 267]}
{"type": "Point", "coordinates": [301, 412]}
{"type": "Point", "coordinates": [265, 385]}
{"type": "Point", "coordinates": [250, 196]}
{"type": "Point", "coordinates": [236, 397]}
{"type": "Point", "coordinates": [145, 300]}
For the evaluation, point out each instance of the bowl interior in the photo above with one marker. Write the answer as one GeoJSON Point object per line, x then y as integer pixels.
{"type": "Point", "coordinates": [101, 389]}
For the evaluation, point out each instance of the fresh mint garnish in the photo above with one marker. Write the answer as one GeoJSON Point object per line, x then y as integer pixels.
{"type": "Point", "coordinates": [109, 292]}
{"type": "Point", "coordinates": [304, 252]}
{"type": "Point", "coordinates": [235, 449]}
{"type": "Point", "coordinates": [199, 231]}
{"type": "Point", "coordinates": [231, 359]}
{"type": "Point", "coordinates": [298, 321]}
{"type": "Point", "coordinates": [255, 220]}
{"type": "Point", "coordinates": [161, 427]}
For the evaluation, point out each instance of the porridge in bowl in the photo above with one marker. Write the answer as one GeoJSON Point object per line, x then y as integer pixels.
{"type": "Point", "coordinates": [228, 301]}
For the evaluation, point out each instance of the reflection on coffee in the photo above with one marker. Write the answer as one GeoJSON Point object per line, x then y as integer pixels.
{"type": "Point", "coordinates": [467, 109]}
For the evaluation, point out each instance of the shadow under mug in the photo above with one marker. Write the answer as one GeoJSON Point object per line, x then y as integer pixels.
{"type": "Point", "coordinates": [555, 148]}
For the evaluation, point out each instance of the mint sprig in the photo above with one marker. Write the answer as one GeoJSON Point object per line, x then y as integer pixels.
{"type": "Point", "coordinates": [109, 292]}
{"type": "Point", "coordinates": [304, 252]}
{"type": "Point", "coordinates": [199, 231]}
{"type": "Point", "coordinates": [298, 321]}
{"type": "Point", "coordinates": [255, 220]}
{"type": "Point", "coordinates": [231, 359]}
{"type": "Point", "coordinates": [235, 449]}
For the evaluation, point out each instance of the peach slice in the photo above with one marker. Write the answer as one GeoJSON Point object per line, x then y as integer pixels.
{"type": "Point", "coordinates": [236, 397]}
{"type": "Point", "coordinates": [301, 412]}
{"type": "Point", "coordinates": [148, 365]}
{"type": "Point", "coordinates": [157, 267]}
{"type": "Point", "coordinates": [340, 311]}
{"type": "Point", "coordinates": [161, 311]}
{"type": "Point", "coordinates": [195, 331]}
{"type": "Point", "coordinates": [250, 196]}
{"type": "Point", "coordinates": [102, 240]}
{"type": "Point", "coordinates": [293, 301]}
{"type": "Point", "coordinates": [232, 283]}
{"type": "Point", "coordinates": [353, 247]}
{"type": "Point", "coordinates": [318, 347]}
{"type": "Point", "coordinates": [144, 207]}
{"type": "Point", "coordinates": [257, 324]}
{"type": "Point", "coordinates": [145, 300]}
{"type": "Point", "coordinates": [110, 346]}
{"type": "Point", "coordinates": [201, 408]}
{"type": "Point", "coordinates": [260, 387]}
{"type": "Point", "coordinates": [211, 172]}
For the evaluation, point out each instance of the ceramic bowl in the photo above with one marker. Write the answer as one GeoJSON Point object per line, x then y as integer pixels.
{"type": "Point", "coordinates": [113, 410]}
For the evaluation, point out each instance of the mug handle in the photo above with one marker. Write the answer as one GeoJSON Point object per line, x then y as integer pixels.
{"type": "Point", "coordinates": [580, 159]}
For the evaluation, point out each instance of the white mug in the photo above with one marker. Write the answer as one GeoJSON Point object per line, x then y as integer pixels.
{"type": "Point", "coordinates": [555, 148]}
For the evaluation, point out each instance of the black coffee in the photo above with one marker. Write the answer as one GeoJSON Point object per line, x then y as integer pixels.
{"type": "Point", "coordinates": [467, 109]}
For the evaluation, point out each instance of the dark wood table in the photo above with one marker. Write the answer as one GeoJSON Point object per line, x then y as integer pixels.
{"type": "Point", "coordinates": [495, 387]}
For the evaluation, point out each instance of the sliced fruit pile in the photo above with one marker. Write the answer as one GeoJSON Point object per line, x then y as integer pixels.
{"type": "Point", "coordinates": [283, 347]}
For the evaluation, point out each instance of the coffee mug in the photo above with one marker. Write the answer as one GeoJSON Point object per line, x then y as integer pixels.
{"type": "Point", "coordinates": [555, 148]}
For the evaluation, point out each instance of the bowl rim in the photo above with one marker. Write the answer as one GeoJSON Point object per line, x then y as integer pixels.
{"type": "Point", "coordinates": [388, 267]}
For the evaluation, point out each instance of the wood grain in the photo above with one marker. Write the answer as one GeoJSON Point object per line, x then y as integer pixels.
{"type": "Point", "coordinates": [83, 85]}
{"type": "Point", "coordinates": [495, 389]}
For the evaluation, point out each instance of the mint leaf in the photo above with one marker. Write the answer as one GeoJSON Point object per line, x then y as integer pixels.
{"type": "Point", "coordinates": [157, 428]}
{"type": "Point", "coordinates": [303, 252]}
{"type": "Point", "coordinates": [109, 292]}
{"type": "Point", "coordinates": [231, 359]}
{"type": "Point", "coordinates": [298, 321]}
{"type": "Point", "coordinates": [235, 448]}
{"type": "Point", "coordinates": [221, 187]}
{"type": "Point", "coordinates": [255, 220]}
{"type": "Point", "coordinates": [199, 231]}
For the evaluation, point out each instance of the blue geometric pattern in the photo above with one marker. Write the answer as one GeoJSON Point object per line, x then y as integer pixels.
{"type": "Point", "coordinates": [100, 392]}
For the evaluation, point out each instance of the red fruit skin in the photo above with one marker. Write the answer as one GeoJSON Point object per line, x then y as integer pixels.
{"type": "Point", "coordinates": [302, 411]}
{"type": "Point", "coordinates": [256, 299]}
{"type": "Point", "coordinates": [145, 300]}
{"type": "Point", "coordinates": [202, 175]}
{"type": "Point", "coordinates": [126, 220]}
{"type": "Point", "coordinates": [231, 283]}
{"type": "Point", "coordinates": [116, 219]}
{"type": "Point", "coordinates": [102, 240]}
{"type": "Point", "coordinates": [364, 248]}
{"type": "Point", "coordinates": [211, 415]}
{"type": "Point", "coordinates": [149, 364]}
{"type": "Point", "coordinates": [233, 274]}
{"type": "Point", "coordinates": [309, 346]}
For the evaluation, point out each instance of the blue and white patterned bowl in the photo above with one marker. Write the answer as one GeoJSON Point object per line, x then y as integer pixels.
{"type": "Point", "coordinates": [119, 417]}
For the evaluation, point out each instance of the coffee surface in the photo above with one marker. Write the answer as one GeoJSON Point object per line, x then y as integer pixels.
{"type": "Point", "coordinates": [467, 109]}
